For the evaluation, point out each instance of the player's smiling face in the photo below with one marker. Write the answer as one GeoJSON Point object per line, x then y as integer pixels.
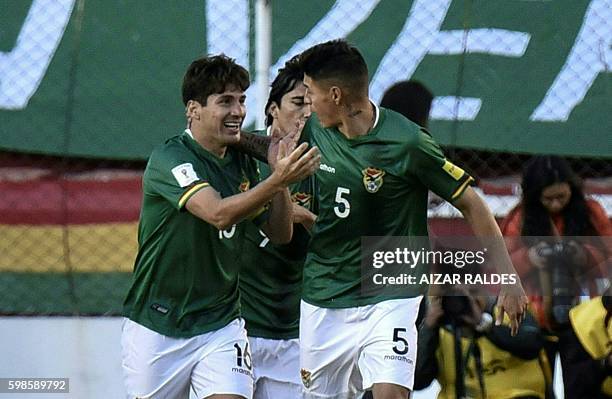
{"type": "Point", "coordinates": [220, 120]}
{"type": "Point", "coordinates": [321, 103]}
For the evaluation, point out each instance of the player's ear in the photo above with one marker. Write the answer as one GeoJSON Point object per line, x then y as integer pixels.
{"type": "Point", "coordinates": [192, 110]}
{"type": "Point", "coordinates": [335, 94]}
{"type": "Point", "coordinates": [273, 110]}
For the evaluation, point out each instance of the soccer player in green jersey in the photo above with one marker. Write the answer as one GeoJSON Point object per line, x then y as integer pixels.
{"type": "Point", "coordinates": [271, 275]}
{"type": "Point", "coordinates": [376, 170]}
{"type": "Point", "coordinates": [183, 327]}
{"type": "Point", "coordinates": [375, 173]}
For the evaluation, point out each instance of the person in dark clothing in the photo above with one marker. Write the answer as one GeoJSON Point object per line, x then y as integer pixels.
{"type": "Point", "coordinates": [589, 359]}
{"type": "Point", "coordinates": [410, 98]}
{"type": "Point", "coordinates": [470, 357]}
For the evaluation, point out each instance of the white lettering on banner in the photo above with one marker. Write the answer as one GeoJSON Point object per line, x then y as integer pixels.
{"type": "Point", "coordinates": [227, 21]}
{"type": "Point", "coordinates": [590, 56]}
{"type": "Point", "coordinates": [452, 108]}
{"type": "Point", "coordinates": [343, 18]}
{"type": "Point", "coordinates": [406, 53]}
{"type": "Point", "coordinates": [23, 68]}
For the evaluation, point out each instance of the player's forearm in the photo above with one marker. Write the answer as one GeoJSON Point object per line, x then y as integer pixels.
{"type": "Point", "coordinates": [483, 224]}
{"type": "Point", "coordinates": [238, 207]}
{"type": "Point", "coordinates": [254, 145]}
{"type": "Point", "coordinates": [225, 212]}
{"type": "Point", "coordinates": [304, 217]}
{"type": "Point", "coordinates": [279, 226]}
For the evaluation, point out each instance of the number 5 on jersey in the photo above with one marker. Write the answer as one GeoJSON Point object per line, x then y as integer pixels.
{"type": "Point", "coordinates": [343, 208]}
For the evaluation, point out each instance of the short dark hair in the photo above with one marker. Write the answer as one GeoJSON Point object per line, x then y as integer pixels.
{"type": "Point", "coordinates": [336, 61]}
{"type": "Point", "coordinates": [288, 76]}
{"type": "Point", "coordinates": [411, 99]}
{"type": "Point", "coordinates": [211, 75]}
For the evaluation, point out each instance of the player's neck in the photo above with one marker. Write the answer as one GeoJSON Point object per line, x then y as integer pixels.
{"type": "Point", "coordinates": [358, 120]}
{"type": "Point", "coordinates": [208, 142]}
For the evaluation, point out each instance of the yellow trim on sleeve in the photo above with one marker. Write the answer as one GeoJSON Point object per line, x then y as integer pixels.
{"type": "Point", "coordinates": [462, 188]}
{"type": "Point", "coordinates": [187, 194]}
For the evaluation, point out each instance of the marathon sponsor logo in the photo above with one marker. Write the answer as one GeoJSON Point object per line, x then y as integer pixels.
{"type": "Point", "coordinates": [327, 168]}
{"type": "Point", "coordinates": [242, 371]}
{"type": "Point", "coordinates": [401, 358]}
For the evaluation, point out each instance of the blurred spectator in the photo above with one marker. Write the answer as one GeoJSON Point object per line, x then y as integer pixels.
{"type": "Point", "coordinates": [554, 205]}
{"type": "Point", "coordinates": [411, 99]}
{"type": "Point", "coordinates": [471, 358]}
{"type": "Point", "coordinates": [554, 239]}
{"type": "Point", "coordinates": [590, 361]}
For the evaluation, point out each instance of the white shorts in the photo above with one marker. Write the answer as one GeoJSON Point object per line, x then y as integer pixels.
{"type": "Point", "coordinates": [276, 368]}
{"type": "Point", "coordinates": [345, 351]}
{"type": "Point", "coordinates": [157, 366]}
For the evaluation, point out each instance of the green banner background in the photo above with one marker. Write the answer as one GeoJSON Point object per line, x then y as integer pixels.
{"type": "Point", "coordinates": [130, 57]}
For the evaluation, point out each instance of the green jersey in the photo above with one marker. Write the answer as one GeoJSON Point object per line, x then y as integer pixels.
{"type": "Point", "coordinates": [372, 185]}
{"type": "Point", "coordinates": [186, 272]}
{"type": "Point", "coordinates": [271, 275]}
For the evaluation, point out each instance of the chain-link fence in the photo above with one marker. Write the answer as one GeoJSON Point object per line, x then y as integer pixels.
{"type": "Point", "coordinates": [68, 231]}
{"type": "Point", "coordinates": [89, 88]}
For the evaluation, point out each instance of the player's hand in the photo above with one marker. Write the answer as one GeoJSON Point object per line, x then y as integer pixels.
{"type": "Point", "coordinates": [297, 165]}
{"type": "Point", "coordinates": [302, 215]}
{"type": "Point", "coordinates": [289, 140]}
{"type": "Point", "coordinates": [513, 302]}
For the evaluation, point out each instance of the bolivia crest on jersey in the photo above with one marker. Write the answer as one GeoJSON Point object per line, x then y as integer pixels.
{"type": "Point", "coordinates": [245, 185]}
{"type": "Point", "coordinates": [302, 199]}
{"type": "Point", "coordinates": [372, 179]}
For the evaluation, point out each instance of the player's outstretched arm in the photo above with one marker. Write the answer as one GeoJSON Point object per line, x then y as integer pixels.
{"type": "Point", "coordinates": [254, 145]}
{"type": "Point", "coordinates": [222, 213]}
{"type": "Point", "coordinates": [265, 148]}
{"type": "Point", "coordinates": [512, 299]}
